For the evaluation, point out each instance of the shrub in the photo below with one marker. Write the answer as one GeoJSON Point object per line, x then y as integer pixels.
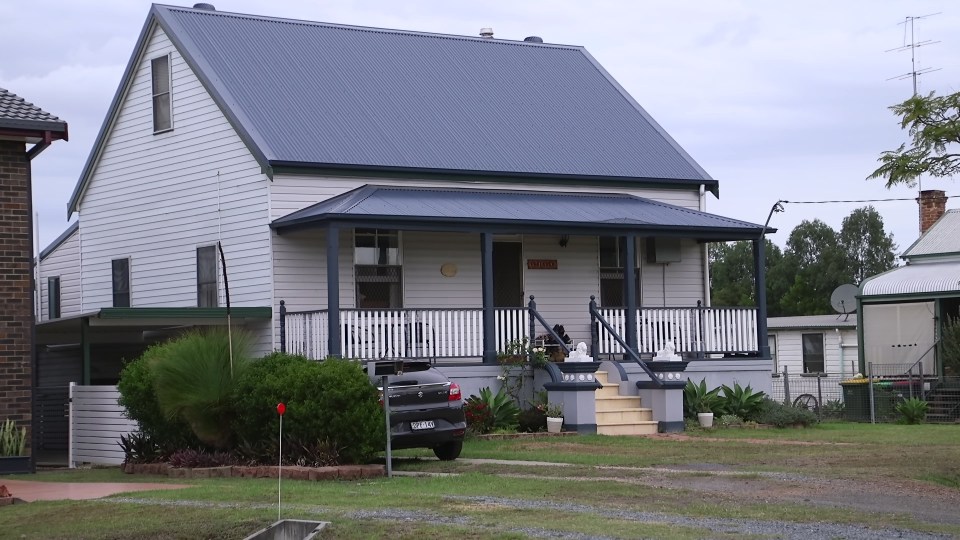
{"type": "Point", "coordinates": [739, 401]}
{"type": "Point", "coordinates": [502, 410]}
{"type": "Point", "coordinates": [190, 459]}
{"type": "Point", "coordinates": [730, 420]}
{"type": "Point", "coordinates": [832, 409]}
{"type": "Point", "coordinates": [138, 447]}
{"type": "Point", "coordinates": [780, 415]}
{"type": "Point", "coordinates": [479, 417]}
{"type": "Point", "coordinates": [531, 421]}
{"type": "Point", "coordinates": [331, 405]}
{"type": "Point", "coordinates": [13, 441]}
{"type": "Point", "coordinates": [913, 410]}
{"type": "Point", "coordinates": [194, 377]}
{"type": "Point", "coordinates": [138, 397]}
{"type": "Point", "coordinates": [696, 399]}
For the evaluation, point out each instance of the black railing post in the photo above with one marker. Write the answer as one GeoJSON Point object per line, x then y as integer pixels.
{"type": "Point", "coordinates": [594, 331]}
{"type": "Point", "coordinates": [532, 321]}
{"type": "Point", "coordinates": [283, 327]}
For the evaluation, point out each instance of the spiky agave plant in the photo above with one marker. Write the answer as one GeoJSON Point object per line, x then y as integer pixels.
{"type": "Point", "coordinates": [194, 380]}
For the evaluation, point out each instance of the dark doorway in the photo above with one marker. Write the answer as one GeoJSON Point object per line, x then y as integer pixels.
{"type": "Point", "coordinates": [507, 274]}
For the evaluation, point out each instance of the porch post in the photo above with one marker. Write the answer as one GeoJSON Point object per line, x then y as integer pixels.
{"type": "Point", "coordinates": [486, 279]}
{"type": "Point", "coordinates": [333, 291]}
{"type": "Point", "coordinates": [630, 291]}
{"type": "Point", "coordinates": [759, 273]}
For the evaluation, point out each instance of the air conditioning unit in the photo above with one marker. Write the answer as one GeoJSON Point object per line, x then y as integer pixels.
{"type": "Point", "coordinates": [663, 250]}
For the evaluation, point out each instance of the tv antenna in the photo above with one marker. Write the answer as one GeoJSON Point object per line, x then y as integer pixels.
{"type": "Point", "coordinates": [908, 24]}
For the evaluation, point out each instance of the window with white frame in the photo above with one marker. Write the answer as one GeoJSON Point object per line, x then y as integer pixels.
{"type": "Point", "coordinates": [612, 253]}
{"type": "Point", "coordinates": [207, 276]}
{"type": "Point", "coordinates": [162, 106]}
{"type": "Point", "coordinates": [378, 269]}
{"type": "Point", "coordinates": [812, 353]}
{"type": "Point", "coordinates": [120, 278]}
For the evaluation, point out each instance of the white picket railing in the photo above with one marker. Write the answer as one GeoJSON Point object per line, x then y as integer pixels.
{"type": "Point", "coordinates": [708, 330]}
{"type": "Point", "coordinates": [403, 333]}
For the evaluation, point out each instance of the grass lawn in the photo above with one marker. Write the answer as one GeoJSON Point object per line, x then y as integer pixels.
{"type": "Point", "coordinates": [731, 483]}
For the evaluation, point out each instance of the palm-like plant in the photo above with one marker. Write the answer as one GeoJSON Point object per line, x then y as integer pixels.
{"type": "Point", "coordinates": [697, 399]}
{"type": "Point", "coordinates": [194, 378]}
{"type": "Point", "coordinates": [742, 402]}
{"type": "Point", "coordinates": [502, 408]}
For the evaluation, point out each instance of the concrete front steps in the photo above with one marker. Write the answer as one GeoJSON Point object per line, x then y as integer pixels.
{"type": "Point", "coordinates": [620, 415]}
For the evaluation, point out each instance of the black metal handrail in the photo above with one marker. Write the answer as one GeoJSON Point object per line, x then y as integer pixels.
{"type": "Point", "coordinates": [595, 317]}
{"type": "Point", "coordinates": [536, 317]}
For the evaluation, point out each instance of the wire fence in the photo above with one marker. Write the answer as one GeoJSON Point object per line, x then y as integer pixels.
{"type": "Point", "coordinates": [870, 397]}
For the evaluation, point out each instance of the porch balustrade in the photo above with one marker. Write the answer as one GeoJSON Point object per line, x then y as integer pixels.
{"type": "Point", "coordinates": [707, 330]}
{"type": "Point", "coordinates": [402, 333]}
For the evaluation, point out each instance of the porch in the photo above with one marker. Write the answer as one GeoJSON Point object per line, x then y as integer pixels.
{"type": "Point", "coordinates": [457, 334]}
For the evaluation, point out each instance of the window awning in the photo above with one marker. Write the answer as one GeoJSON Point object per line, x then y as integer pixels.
{"type": "Point", "coordinates": [508, 211]}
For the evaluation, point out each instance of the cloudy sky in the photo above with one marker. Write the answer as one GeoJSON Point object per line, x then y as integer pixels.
{"type": "Point", "coordinates": [776, 100]}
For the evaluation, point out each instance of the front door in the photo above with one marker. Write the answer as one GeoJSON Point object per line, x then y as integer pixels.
{"type": "Point", "coordinates": [507, 274]}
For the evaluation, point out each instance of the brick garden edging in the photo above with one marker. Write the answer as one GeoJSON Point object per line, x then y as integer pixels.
{"type": "Point", "coordinates": [342, 472]}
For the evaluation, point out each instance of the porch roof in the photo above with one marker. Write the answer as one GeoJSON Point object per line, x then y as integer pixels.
{"type": "Point", "coordinates": [484, 210]}
{"type": "Point", "coordinates": [918, 279]}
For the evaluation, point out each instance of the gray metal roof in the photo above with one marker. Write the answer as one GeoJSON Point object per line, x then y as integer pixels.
{"type": "Point", "coordinates": [942, 238]}
{"type": "Point", "coordinates": [916, 278]}
{"type": "Point", "coordinates": [316, 94]}
{"type": "Point", "coordinates": [812, 321]}
{"type": "Point", "coordinates": [19, 114]}
{"type": "Point", "coordinates": [518, 211]}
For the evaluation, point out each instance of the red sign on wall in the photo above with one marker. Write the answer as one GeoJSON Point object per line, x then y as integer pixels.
{"type": "Point", "coordinates": [541, 264]}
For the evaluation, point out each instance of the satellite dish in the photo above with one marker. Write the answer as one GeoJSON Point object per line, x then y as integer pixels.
{"type": "Point", "coordinates": [844, 299]}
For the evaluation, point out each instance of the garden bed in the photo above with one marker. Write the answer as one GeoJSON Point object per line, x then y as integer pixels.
{"type": "Point", "coordinates": [342, 472]}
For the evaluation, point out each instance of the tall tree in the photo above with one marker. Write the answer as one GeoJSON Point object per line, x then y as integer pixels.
{"type": "Point", "coordinates": [815, 265]}
{"type": "Point", "coordinates": [868, 248]}
{"type": "Point", "coordinates": [731, 275]}
{"type": "Point", "coordinates": [934, 126]}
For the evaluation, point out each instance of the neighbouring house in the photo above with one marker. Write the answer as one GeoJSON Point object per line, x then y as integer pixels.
{"type": "Point", "coordinates": [902, 311]}
{"type": "Point", "coordinates": [25, 132]}
{"type": "Point", "coordinates": [814, 344]}
{"type": "Point", "coordinates": [393, 194]}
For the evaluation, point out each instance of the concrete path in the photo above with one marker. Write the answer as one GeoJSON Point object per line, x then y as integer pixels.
{"type": "Point", "coordinates": [55, 491]}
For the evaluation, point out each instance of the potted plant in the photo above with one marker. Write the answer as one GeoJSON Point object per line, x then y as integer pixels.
{"type": "Point", "coordinates": [698, 400]}
{"type": "Point", "coordinates": [13, 446]}
{"type": "Point", "coordinates": [554, 414]}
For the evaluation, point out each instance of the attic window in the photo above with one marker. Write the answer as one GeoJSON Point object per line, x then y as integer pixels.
{"type": "Point", "coordinates": [160, 75]}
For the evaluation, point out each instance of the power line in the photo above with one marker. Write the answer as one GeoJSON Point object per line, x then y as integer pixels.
{"type": "Point", "coordinates": [861, 200]}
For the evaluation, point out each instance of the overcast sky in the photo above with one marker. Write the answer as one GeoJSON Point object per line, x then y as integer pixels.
{"type": "Point", "coordinates": [776, 100]}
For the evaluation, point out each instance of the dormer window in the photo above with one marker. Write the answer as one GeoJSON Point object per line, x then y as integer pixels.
{"type": "Point", "coordinates": [162, 110]}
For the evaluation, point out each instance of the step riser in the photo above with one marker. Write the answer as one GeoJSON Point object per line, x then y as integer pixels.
{"type": "Point", "coordinates": [617, 404]}
{"type": "Point", "coordinates": [628, 429]}
{"type": "Point", "coordinates": [624, 417]}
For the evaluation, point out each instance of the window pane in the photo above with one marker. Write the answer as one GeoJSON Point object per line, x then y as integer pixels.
{"type": "Point", "coordinates": [160, 73]}
{"type": "Point", "coordinates": [161, 112]}
{"type": "Point", "coordinates": [608, 252]}
{"type": "Point", "coordinates": [772, 343]}
{"type": "Point", "coordinates": [121, 282]}
{"type": "Point", "coordinates": [812, 353]}
{"type": "Point", "coordinates": [53, 298]}
{"type": "Point", "coordinates": [207, 276]}
{"type": "Point", "coordinates": [378, 287]}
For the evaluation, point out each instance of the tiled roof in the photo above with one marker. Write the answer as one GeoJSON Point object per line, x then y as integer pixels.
{"type": "Point", "coordinates": [16, 113]}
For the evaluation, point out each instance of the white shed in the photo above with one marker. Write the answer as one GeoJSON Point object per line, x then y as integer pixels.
{"type": "Point", "coordinates": [814, 344]}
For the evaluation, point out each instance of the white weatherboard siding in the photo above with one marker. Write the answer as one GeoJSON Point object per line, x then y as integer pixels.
{"type": "Point", "coordinates": [563, 295]}
{"type": "Point", "coordinates": [423, 284]}
{"type": "Point", "coordinates": [900, 334]}
{"type": "Point", "coordinates": [790, 349]}
{"type": "Point", "coordinates": [154, 198]}
{"type": "Point", "coordinates": [289, 193]}
{"type": "Point", "coordinates": [64, 261]}
{"type": "Point", "coordinates": [677, 284]}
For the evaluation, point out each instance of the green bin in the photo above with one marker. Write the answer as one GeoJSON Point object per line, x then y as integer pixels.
{"type": "Point", "coordinates": [856, 401]}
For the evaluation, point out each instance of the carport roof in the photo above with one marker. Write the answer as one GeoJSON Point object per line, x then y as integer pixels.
{"type": "Point", "coordinates": [515, 211]}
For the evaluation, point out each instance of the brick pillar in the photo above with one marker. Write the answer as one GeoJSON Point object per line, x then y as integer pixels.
{"type": "Point", "coordinates": [933, 203]}
{"type": "Point", "coordinates": [16, 284]}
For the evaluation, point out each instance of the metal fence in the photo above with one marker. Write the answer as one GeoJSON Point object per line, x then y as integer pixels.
{"type": "Point", "coordinates": [870, 397]}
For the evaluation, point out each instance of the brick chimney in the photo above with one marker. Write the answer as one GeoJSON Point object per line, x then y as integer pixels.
{"type": "Point", "coordinates": [933, 203]}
